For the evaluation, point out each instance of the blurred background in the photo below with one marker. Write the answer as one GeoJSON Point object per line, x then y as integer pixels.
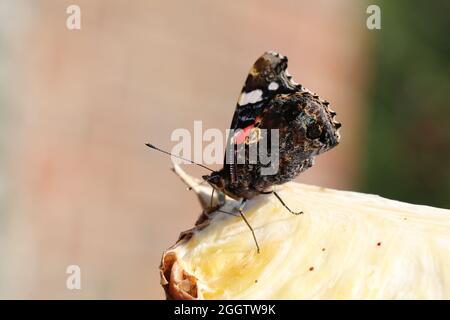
{"type": "Point", "coordinates": [77, 184]}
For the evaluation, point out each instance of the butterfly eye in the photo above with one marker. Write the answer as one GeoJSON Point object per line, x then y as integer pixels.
{"type": "Point", "coordinates": [313, 131]}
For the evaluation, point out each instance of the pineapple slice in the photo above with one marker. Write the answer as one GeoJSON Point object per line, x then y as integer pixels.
{"type": "Point", "coordinates": [346, 245]}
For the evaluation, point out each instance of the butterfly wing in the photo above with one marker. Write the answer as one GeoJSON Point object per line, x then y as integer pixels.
{"type": "Point", "coordinates": [267, 78]}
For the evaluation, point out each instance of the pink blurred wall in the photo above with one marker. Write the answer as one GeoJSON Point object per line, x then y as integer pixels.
{"type": "Point", "coordinates": [83, 189]}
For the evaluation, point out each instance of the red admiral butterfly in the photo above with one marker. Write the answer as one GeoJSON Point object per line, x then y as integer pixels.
{"type": "Point", "coordinates": [270, 100]}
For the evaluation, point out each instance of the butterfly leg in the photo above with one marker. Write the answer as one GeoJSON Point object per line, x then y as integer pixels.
{"type": "Point", "coordinates": [241, 214]}
{"type": "Point", "coordinates": [282, 202]}
{"type": "Point", "coordinates": [207, 211]}
{"type": "Point", "coordinates": [229, 213]}
{"type": "Point", "coordinates": [212, 198]}
{"type": "Point", "coordinates": [219, 202]}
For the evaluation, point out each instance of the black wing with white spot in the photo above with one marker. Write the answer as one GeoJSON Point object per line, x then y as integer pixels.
{"type": "Point", "coordinates": [267, 77]}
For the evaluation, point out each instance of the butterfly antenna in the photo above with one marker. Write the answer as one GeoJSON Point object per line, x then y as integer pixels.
{"type": "Point", "coordinates": [178, 157]}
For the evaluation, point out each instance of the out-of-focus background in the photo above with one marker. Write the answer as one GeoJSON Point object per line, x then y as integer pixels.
{"type": "Point", "coordinates": [77, 184]}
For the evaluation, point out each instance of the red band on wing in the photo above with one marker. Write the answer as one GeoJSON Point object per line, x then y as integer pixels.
{"type": "Point", "coordinates": [240, 135]}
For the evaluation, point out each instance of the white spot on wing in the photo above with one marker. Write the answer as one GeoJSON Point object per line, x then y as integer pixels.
{"type": "Point", "coordinates": [250, 97]}
{"type": "Point", "coordinates": [273, 86]}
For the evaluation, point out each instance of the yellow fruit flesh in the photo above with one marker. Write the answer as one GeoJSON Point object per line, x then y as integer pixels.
{"type": "Point", "coordinates": [346, 245]}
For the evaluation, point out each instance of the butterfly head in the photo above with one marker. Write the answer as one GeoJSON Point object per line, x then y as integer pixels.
{"type": "Point", "coordinates": [216, 180]}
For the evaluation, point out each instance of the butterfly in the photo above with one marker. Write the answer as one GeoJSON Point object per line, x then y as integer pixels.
{"type": "Point", "coordinates": [272, 110]}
